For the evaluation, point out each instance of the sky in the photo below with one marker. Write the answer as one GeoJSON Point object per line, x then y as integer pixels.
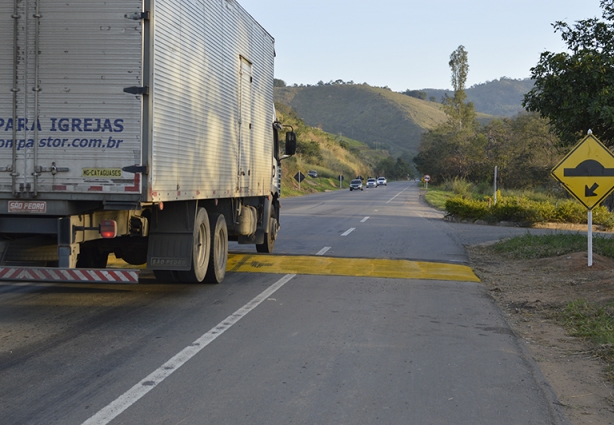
{"type": "Point", "coordinates": [406, 44]}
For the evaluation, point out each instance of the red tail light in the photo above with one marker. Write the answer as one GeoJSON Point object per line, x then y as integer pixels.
{"type": "Point", "coordinates": [108, 229]}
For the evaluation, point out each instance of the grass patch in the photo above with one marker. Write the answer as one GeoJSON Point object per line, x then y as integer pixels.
{"type": "Point", "coordinates": [542, 246]}
{"type": "Point", "coordinates": [437, 198]}
{"type": "Point", "coordinates": [594, 323]}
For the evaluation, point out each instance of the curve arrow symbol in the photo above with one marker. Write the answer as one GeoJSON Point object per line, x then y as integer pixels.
{"type": "Point", "coordinates": [588, 192]}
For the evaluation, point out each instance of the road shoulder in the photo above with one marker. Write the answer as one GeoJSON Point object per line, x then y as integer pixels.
{"type": "Point", "coordinates": [529, 293]}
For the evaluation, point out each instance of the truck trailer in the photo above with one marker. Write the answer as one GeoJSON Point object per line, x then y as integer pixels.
{"type": "Point", "coordinates": [142, 129]}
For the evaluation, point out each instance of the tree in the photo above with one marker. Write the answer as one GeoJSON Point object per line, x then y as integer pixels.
{"type": "Point", "coordinates": [448, 150]}
{"type": "Point", "coordinates": [574, 90]}
{"type": "Point", "coordinates": [418, 94]}
{"type": "Point", "coordinates": [278, 83]}
{"type": "Point", "coordinates": [523, 148]}
{"type": "Point", "coordinates": [460, 114]}
{"type": "Point", "coordinates": [396, 170]}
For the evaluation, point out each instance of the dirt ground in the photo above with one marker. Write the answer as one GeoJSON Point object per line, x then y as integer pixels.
{"type": "Point", "coordinates": [529, 292]}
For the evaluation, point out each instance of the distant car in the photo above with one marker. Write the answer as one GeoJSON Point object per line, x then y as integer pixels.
{"type": "Point", "coordinates": [312, 173]}
{"type": "Point", "coordinates": [356, 184]}
{"type": "Point", "coordinates": [381, 181]}
{"type": "Point", "coordinates": [371, 182]}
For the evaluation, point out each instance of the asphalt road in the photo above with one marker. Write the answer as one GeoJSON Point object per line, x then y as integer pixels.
{"type": "Point", "coordinates": [281, 348]}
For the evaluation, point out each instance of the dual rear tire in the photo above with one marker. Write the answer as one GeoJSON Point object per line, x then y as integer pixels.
{"type": "Point", "coordinates": [209, 252]}
{"type": "Point", "coordinates": [218, 257]}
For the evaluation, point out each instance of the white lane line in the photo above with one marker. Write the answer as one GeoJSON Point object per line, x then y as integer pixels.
{"type": "Point", "coordinates": [391, 199]}
{"type": "Point", "coordinates": [323, 250]}
{"type": "Point", "coordinates": [123, 402]}
{"type": "Point", "coordinates": [364, 219]}
{"type": "Point", "coordinates": [348, 231]}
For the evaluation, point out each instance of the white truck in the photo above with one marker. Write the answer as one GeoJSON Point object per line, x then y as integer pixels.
{"type": "Point", "coordinates": [143, 129]}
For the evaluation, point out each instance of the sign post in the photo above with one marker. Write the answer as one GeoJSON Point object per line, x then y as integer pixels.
{"type": "Point", "coordinates": [587, 172]}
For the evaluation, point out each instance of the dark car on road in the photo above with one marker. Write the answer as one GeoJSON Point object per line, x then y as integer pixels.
{"type": "Point", "coordinates": [356, 184]}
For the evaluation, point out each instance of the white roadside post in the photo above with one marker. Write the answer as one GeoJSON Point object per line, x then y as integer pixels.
{"type": "Point", "coordinates": [590, 238]}
{"type": "Point", "coordinates": [495, 187]}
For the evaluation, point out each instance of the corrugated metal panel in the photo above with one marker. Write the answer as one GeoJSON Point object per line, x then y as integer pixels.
{"type": "Point", "coordinates": [88, 52]}
{"type": "Point", "coordinates": [198, 47]}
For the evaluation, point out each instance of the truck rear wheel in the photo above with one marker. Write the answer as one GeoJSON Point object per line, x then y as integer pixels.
{"type": "Point", "coordinates": [200, 249]}
{"type": "Point", "coordinates": [269, 238]}
{"type": "Point", "coordinates": [218, 257]}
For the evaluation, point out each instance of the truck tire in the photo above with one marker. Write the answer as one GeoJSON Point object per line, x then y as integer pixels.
{"type": "Point", "coordinates": [201, 241]}
{"type": "Point", "coordinates": [218, 257]}
{"type": "Point", "coordinates": [269, 238]}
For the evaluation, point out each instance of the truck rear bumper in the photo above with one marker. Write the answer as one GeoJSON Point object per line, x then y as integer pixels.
{"type": "Point", "coordinates": [48, 274]}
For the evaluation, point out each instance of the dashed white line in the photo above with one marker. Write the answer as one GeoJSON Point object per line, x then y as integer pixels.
{"type": "Point", "coordinates": [323, 250]}
{"type": "Point", "coordinates": [391, 199]}
{"type": "Point", "coordinates": [123, 402]}
{"type": "Point", "coordinates": [364, 219]}
{"type": "Point", "coordinates": [348, 231]}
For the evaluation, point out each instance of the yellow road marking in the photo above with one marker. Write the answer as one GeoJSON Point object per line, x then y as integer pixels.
{"type": "Point", "coordinates": [367, 267]}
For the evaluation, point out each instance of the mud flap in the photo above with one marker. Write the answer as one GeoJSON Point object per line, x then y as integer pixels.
{"type": "Point", "coordinates": [171, 236]}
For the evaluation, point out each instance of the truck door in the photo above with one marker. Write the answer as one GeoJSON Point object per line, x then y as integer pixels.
{"type": "Point", "coordinates": [245, 124]}
{"type": "Point", "coordinates": [66, 123]}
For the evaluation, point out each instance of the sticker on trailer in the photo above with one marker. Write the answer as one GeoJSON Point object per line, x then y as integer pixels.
{"type": "Point", "coordinates": [101, 172]}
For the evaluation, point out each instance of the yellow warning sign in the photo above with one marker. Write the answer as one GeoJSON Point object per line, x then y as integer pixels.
{"type": "Point", "coordinates": [587, 172]}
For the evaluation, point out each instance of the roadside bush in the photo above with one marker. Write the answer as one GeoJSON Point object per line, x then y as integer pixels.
{"type": "Point", "coordinates": [570, 212]}
{"type": "Point", "coordinates": [459, 186]}
{"type": "Point", "coordinates": [467, 208]}
{"type": "Point", "coordinates": [524, 210]}
{"type": "Point", "coordinates": [310, 150]}
{"type": "Point", "coordinates": [543, 212]}
{"type": "Point", "coordinates": [603, 217]}
{"type": "Point", "coordinates": [512, 209]}
{"type": "Point", "coordinates": [533, 194]}
{"type": "Point", "coordinates": [484, 188]}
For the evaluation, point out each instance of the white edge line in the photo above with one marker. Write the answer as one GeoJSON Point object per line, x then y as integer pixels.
{"type": "Point", "coordinates": [323, 250]}
{"type": "Point", "coordinates": [123, 402]}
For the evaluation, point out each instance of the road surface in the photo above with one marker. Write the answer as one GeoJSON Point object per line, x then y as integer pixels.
{"type": "Point", "coordinates": [367, 313]}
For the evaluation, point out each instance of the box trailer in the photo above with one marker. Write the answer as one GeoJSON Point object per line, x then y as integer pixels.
{"type": "Point", "coordinates": [143, 129]}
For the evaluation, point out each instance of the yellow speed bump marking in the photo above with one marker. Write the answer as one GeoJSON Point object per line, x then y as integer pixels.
{"type": "Point", "coordinates": [367, 267]}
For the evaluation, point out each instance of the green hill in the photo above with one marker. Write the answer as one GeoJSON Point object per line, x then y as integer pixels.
{"type": "Point", "coordinates": [325, 153]}
{"type": "Point", "coordinates": [501, 97]}
{"type": "Point", "coordinates": [381, 118]}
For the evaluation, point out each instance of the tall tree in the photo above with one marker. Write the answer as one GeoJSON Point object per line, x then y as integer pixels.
{"type": "Point", "coordinates": [460, 114]}
{"type": "Point", "coordinates": [574, 90]}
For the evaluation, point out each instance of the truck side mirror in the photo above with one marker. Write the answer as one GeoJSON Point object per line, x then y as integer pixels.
{"type": "Point", "coordinates": [290, 143]}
